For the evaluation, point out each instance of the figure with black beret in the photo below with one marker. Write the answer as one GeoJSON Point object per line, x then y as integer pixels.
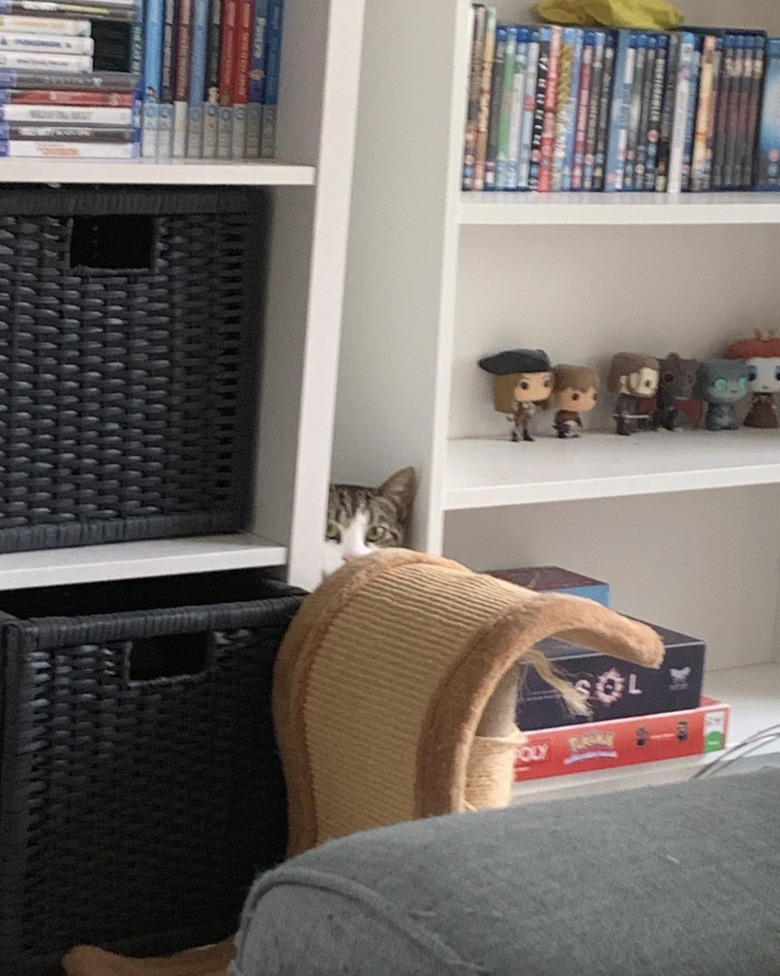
{"type": "Point", "coordinates": [523, 381]}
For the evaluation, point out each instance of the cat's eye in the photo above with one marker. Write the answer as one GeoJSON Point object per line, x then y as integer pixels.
{"type": "Point", "coordinates": [752, 373]}
{"type": "Point", "coordinates": [334, 532]}
{"type": "Point", "coordinates": [375, 534]}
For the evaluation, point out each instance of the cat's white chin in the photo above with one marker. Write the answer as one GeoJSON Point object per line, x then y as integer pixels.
{"type": "Point", "coordinates": [335, 554]}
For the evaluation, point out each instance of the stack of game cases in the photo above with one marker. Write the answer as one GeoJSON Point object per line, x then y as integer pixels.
{"type": "Point", "coordinates": [69, 77]}
{"type": "Point", "coordinates": [638, 714]}
{"type": "Point", "coordinates": [211, 78]}
{"type": "Point", "coordinates": [562, 108]}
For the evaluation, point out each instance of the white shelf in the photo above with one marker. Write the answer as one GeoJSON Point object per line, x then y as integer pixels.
{"type": "Point", "coordinates": [183, 172]}
{"type": "Point", "coordinates": [568, 209]}
{"type": "Point", "coordinates": [129, 560]}
{"type": "Point", "coordinates": [754, 695]}
{"type": "Point", "coordinates": [487, 473]}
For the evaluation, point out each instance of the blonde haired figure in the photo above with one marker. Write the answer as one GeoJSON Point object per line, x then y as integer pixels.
{"type": "Point", "coordinates": [523, 381]}
{"type": "Point", "coordinates": [575, 391]}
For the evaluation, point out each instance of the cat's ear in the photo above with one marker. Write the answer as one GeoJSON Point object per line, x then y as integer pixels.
{"type": "Point", "coordinates": [400, 488]}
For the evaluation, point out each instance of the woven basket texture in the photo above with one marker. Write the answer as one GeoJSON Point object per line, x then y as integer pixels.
{"type": "Point", "coordinates": [126, 393]}
{"type": "Point", "coordinates": [137, 801]}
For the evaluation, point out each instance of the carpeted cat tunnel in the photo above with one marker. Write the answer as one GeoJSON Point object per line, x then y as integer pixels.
{"type": "Point", "coordinates": [394, 699]}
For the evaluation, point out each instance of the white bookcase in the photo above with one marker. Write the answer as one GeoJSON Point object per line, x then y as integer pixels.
{"type": "Point", "coordinates": [683, 525]}
{"type": "Point", "coordinates": [310, 190]}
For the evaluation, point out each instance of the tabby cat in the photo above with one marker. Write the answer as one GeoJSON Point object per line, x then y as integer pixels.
{"type": "Point", "coordinates": [363, 519]}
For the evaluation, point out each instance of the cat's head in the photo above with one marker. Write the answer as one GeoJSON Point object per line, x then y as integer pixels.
{"type": "Point", "coordinates": [363, 519]}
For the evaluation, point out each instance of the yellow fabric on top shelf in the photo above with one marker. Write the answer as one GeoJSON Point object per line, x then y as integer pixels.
{"type": "Point", "coordinates": [642, 14]}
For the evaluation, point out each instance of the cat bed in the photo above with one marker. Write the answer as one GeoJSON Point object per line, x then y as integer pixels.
{"type": "Point", "coordinates": [394, 699]}
{"type": "Point", "coordinates": [395, 689]}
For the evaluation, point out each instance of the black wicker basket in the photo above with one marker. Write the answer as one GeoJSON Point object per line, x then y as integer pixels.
{"type": "Point", "coordinates": [128, 329]}
{"type": "Point", "coordinates": [140, 786]}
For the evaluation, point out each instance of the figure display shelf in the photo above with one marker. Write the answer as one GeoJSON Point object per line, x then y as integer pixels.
{"type": "Point", "coordinates": [651, 393]}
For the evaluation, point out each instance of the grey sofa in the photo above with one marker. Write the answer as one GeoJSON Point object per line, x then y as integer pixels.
{"type": "Point", "coordinates": [673, 881]}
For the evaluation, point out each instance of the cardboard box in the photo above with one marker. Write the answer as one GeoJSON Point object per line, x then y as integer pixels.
{"type": "Point", "coordinates": [622, 742]}
{"type": "Point", "coordinates": [557, 580]}
{"type": "Point", "coordinates": [612, 687]}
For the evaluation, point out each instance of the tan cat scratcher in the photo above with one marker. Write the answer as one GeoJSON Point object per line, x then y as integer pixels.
{"type": "Point", "coordinates": [394, 698]}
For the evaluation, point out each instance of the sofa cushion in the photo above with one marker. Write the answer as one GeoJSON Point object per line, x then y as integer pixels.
{"type": "Point", "coordinates": [681, 880]}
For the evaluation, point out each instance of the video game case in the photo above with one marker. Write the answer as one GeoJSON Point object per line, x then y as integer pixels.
{"type": "Point", "coordinates": [640, 165]}
{"type": "Point", "coordinates": [66, 63]}
{"type": "Point", "coordinates": [136, 42]}
{"type": "Point", "coordinates": [768, 155]}
{"type": "Point", "coordinates": [717, 57]}
{"type": "Point", "coordinates": [527, 117]}
{"type": "Point", "coordinates": [153, 26]}
{"type": "Point", "coordinates": [725, 79]}
{"type": "Point", "coordinates": [701, 124]}
{"type": "Point", "coordinates": [592, 112]}
{"type": "Point", "coordinates": [605, 105]}
{"type": "Point", "coordinates": [273, 61]}
{"type": "Point", "coordinates": [110, 81]}
{"type": "Point", "coordinates": [732, 124]}
{"type": "Point", "coordinates": [754, 108]}
{"type": "Point", "coordinates": [583, 104]}
{"type": "Point", "coordinates": [655, 111]}
{"type": "Point", "coordinates": [478, 22]}
{"type": "Point", "coordinates": [494, 117]}
{"type": "Point", "coordinates": [211, 103]}
{"type": "Point", "coordinates": [67, 114]}
{"type": "Point", "coordinates": [743, 112]}
{"type": "Point", "coordinates": [246, 9]}
{"type": "Point", "coordinates": [571, 110]}
{"type": "Point", "coordinates": [30, 149]}
{"type": "Point", "coordinates": [181, 77]}
{"type": "Point", "coordinates": [108, 10]}
{"type": "Point", "coordinates": [565, 102]}
{"type": "Point", "coordinates": [52, 26]}
{"type": "Point", "coordinates": [483, 116]}
{"type": "Point", "coordinates": [197, 86]}
{"type": "Point", "coordinates": [686, 81]}
{"type": "Point", "coordinates": [625, 63]}
{"type": "Point", "coordinates": [540, 99]}
{"type": "Point", "coordinates": [167, 82]}
{"type": "Point", "coordinates": [667, 113]}
{"type": "Point", "coordinates": [690, 116]}
{"type": "Point", "coordinates": [550, 107]}
{"type": "Point", "coordinates": [254, 109]}
{"type": "Point", "coordinates": [67, 133]}
{"type": "Point", "coordinates": [229, 28]}
{"type": "Point", "coordinates": [508, 115]}
{"type": "Point", "coordinates": [635, 110]}
{"type": "Point", "coordinates": [52, 96]}
{"type": "Point", "coordinates": [41, 44]}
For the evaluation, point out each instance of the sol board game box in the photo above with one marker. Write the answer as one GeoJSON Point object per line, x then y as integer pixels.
{"type": "Point", "coordinates": [556, 580]}
{"type": "Point", "coordinates": [768, 175]}
{"type": "Point", "coordinates": [622, 742]}
{"type": "Point", "coordinates": [612, 687]}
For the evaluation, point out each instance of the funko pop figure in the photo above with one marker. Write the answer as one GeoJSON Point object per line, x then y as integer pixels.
{"type": "Point", "coordinates": [762, 356]}
{"type": "Point", "coordinates": [634, 377]}
{"type": "Point", "coordinates": [575, 391]}
{"type": "Point", "coordinates": [722, 384]}
{"type": "Point", "coordinates": [676, 388]}
{"type": "Point", "coordinates": [523, 381]}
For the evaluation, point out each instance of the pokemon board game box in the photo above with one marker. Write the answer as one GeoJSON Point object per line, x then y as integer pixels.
{"type": "Point", "coordinates": [622, 742]}
{"type": "Point", "coordinates": [554, 579]}
{"type": "Point", "coordinates": [612, 687]}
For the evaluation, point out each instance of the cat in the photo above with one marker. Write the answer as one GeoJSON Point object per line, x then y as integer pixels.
{"type": "Point", "coordinates": [363, 519]}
